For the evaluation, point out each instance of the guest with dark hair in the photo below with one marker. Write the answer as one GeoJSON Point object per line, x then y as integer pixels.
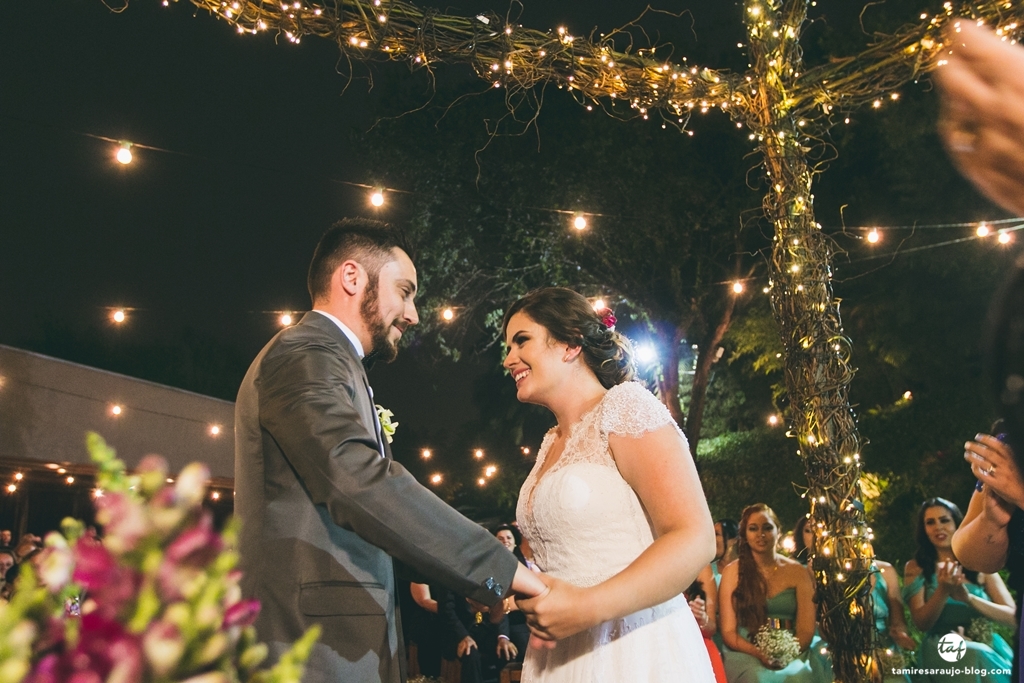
{"type": "Point", "coordinates": [726, 533]}
{"type": "Point", "coordinates": [480, 645]}
{"type": "Point", "coordinates": [803, 539]}
{"type": "Point", "coordinates": [764, 589]}
{"type": "Point", "coordinates": [518, 630]}
{"type": "Point", "coordinates": [944, 597]}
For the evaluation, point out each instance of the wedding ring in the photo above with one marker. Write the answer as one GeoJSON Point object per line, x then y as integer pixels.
{"type": "Point", "coordinates": [990, 471]}
{"type": "Point", "coordinates": [961, 136]}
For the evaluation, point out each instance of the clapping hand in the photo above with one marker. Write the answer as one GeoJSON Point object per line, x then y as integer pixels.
{"type": "Point", "coordinates": [950, 576]}
{"type": "Point", "coordinates": [700, 612]}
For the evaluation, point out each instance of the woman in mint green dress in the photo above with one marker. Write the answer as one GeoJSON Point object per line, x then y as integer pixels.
{"type": "Point", "coordinates": [890, 621]}
{"type": "Point", "coordinates": [764, 588]}
{"type": "Point", "coordinates": [945, 598]}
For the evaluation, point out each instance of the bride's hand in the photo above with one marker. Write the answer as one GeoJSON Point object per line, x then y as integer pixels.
{"type": "Point", "coordinates": [560, 611]}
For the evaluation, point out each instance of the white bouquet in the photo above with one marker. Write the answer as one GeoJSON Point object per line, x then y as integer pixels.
{"type": "Point", "coordinates": [777, 644]}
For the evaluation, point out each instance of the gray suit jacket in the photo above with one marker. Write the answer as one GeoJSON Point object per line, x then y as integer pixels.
{"type": "Point", "coordinates": [323, 514]}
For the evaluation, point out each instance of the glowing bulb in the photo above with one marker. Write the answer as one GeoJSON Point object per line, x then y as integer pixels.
{"type": "Point", "coordinates": [448, 315]}
{"type": "Point", "coordinates": [525, 450]}
{"type": "Point", "coordinates": [907, 396]}
{"type": "Point", "coordinates": [436, 479]}
{"type": "Point", "coordinates": [70, 479]}
{"type": "Point", "coordinates": [118, 316]}
{"type": "Point", "coordinates": [124, 153]}
{"type": "Point", "coordinates": [11, 488]}
{"type": "Point", "coordinates": [646, 353]}
{"type": "Point", "coordinates": [490, 471]}
{"type": "Point", "coordinates": [982, 230]}
{"type": "Point", "coordinates": [215, 495]}
{"type": "Point", "coordinates": [285, 319]}
{"type": "Point", "coordinates": [481, 481]}
{"type": "Point", "coordinates": [873, 236]}
{"type": "Point", "coordinates": [377, 198]}
{"type": "Point", "coordinates": [214, 430]}
{"type": "Point", "coordinates": [61, 470]}
{"type": "Point", "coordinates": [478, 453]}
{"type": "Point", "coordinates": [18, 476]}
{"type": "Point", "coordinates": [115, 410]}
{"type": "Point", "coordinates": [425, 454]}
{"type": "Point", "coordinates": [579, 222]}
{"type": "Point", "coordinates": [97, 493]}
{"type": "Point", "coordinates": [789, 544]}
{"type": "Point", "coordinates": [773, 420]}
{"type": "Point", "coordinates": [599, 305]}
{"type": "Point", "coordinates": [1004, 237]}
{"type": "Point", "coordinates": [737, 287]}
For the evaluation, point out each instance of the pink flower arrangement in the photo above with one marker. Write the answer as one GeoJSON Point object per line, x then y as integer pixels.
{"type": "Point", "coordinates": [156, 600]}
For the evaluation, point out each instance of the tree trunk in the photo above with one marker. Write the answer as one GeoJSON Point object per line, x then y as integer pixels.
{"type": "Point", "coordinates": [706, 355]}
{"type": "Point", "coordinates": [668, 382]}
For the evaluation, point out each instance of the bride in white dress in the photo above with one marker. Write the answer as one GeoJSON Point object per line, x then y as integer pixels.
{"type": "Point", "coordinates": [613, 508]}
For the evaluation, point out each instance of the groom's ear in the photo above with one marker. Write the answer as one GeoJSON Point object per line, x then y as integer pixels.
{"type": "Point", "coordinates": [347, 277]}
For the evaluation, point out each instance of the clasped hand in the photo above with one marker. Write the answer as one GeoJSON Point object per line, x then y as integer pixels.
{"type": "Point", "coordinates": [561, 610]}
{"type": "Point", "coordinates": [950, 576]}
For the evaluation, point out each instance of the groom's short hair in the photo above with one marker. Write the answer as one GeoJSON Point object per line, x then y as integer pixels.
{"type": "Point", "coordinates": [364, 240]}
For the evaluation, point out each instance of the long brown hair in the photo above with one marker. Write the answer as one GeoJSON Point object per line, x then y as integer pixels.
{"type": "Point", "coordinates": [751, 595]}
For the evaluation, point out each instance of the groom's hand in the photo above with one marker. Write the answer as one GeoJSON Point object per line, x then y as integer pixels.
{"type": "Point", "coordinates": [560, 611]}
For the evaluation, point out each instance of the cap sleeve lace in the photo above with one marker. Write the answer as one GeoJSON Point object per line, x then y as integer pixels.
{"type": "Point", "coordinates": [631, 410]}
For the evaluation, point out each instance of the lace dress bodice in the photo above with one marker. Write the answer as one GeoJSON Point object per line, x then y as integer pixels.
{"type": "Point", "coordinates": [584, 522]}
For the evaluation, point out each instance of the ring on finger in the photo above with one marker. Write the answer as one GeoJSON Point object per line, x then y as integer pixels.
{"type": "Point", "coordinates": [989, 471]}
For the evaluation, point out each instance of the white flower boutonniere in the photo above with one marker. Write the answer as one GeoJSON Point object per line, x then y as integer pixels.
{"type": "Point", "coordinates": [387, 427]}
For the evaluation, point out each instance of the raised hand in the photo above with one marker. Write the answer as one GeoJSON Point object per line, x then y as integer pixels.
{"type": "Point", "coordinates": [994, 464]}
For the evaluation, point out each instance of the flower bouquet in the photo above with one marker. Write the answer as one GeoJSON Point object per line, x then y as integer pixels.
{"type": "Point", "coordinates": [156, 600]}
{"type": "Point", "coordinates": [890, 658]}
{"type": "Point", "coordinates": [980, 630]}
{"type": "Point", "coordinates": [777, 644]}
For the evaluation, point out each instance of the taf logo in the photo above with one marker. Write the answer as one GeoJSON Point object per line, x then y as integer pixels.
{"type": "Point", "coordinates": [952, 647]}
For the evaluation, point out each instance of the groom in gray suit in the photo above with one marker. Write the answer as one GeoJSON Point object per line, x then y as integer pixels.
{"type": "Point", "coordinates": [323, 506]}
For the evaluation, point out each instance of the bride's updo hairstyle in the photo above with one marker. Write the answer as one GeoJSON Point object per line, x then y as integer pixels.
{"type": "Point", "coordinates": [570, 319]}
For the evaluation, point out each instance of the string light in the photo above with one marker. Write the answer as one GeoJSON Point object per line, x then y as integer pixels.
{"type": "Point", "coordinates": [1004, 237]}
{"type": "Point", "coordinates": [115, 410]}
{"type": "Point", "coordinates": [478, 453]}
{"type": "Point", "coordinates": [377, 198]}
{"type": "Point", "coordinates": [425, 454]}
{"type": "Point", "coordinates": [525, 450]}
{"type": "Point", "coordinates": [11, 488]}
{"type": "Point", "coordinates": [490, 471]}
{"type": "Point", "coordinates": [983, 230]}
{"type": "Point", "coordinates": [118, 316]}
{"type": "Point", "coordinates": [874, 236]}
{"type": "Point", "coordinates": [286, 319]}
{"type": "Point", "coordinates": [447, 315]}
{"type": "Point", "coordinates": [97, 493]}
{"type": "Point", "coordinates": [215, 495]}
{"type": "Point", "coordinates": [599, 305]}
{"type": "Point", "coordinates": [124, 153]}
{"type": "Point", "coordinates": [214, 430]}
{"type": "Point", "coordinates": [773, 420]}
{"type": "Point", "coordinates": [737, 287]}
{"type": "Point", "coordinates": [579, 222]}
{"type": "Point", "coordinates": [70, 480]}
{"type": "Point", "coordinates": [481, 481]}
{"type": "Point", "coordinates": [907, 395]}
{"type": "Point", "coordinates": [436, 479]}
{"type": "Point", "coordinates": [18, 476]}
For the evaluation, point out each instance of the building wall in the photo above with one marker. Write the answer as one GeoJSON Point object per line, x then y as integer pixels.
{"type": "Point", "coordinates": [47, 405]}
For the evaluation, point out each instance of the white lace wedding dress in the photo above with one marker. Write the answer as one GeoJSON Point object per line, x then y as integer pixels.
{"type": "Point", "coordinates": [585, 524]}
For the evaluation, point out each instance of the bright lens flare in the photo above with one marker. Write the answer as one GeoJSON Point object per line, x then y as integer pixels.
{"type": "Point", "coordinates": [1005, 237]}
{"type": "Point", "coordinates": [448, 315]}
{"type": "Point", "coordinates": [377, 198]}
{"type": "Point", "coordinates": [982, 230]}
{"type": "Point", "coordinates": [436, 479]}
{"type": "Point", "coordinates": [737, 287]}
{"type": "Point", "coordinates": [874, 237]}
{"type": "Point", "coordinates": [118, 316]}
{"type": "Point", "coordinates": [646, 354]}
{"type": "Point", "coordinates": [599, 305]}
{"type": "Point", "coordinates": [214, 430]}
{"type": "Point", "coordinates": [115, 410]}
{"type": "Point", "coordinates": [285, 319]}
{"type": "Point", "coordinates": [124, 153]}
{"type": "Point", "coordinates": [773, 420]}
{"type": "Point", "coordinates": [579, 222]}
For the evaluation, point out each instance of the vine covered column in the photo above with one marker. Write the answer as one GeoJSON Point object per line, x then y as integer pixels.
{"type": "Point", "coordinates": [816, 352]}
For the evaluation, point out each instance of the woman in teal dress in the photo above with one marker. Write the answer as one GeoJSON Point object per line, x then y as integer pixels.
{"type": "Point", "coordinates": [890, 622]}
{"type": "Point", "coordinates": [945, 598]}
{"type": "Point", "coordinates": [763, 588]}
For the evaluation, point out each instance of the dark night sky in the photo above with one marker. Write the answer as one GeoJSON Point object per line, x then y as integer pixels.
{"type": "Point", "coordinates": [218, 234]}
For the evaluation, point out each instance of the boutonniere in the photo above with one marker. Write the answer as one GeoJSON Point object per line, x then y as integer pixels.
{"type": "Point", "coordinates": [386, 425]}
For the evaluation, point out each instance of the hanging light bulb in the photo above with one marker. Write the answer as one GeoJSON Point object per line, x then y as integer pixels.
{"type": "Point", "coordinates": [982, 230]}
{"type": "Point", "coordinates": [214, 430]}
{"type": "Point", "coordinates": [737, 287]}
{"type": "Point", "coordinates": [115, 410]}
{"type": "Point", "coordinates": [425, 454]}
{"type": "Point", "coordinates": [119, 316]}
{"type": "Point", "coordinates": [579, 222]}
{"type": "Point", "coordinates": [436, 479]}
{"type": "Point", "coordinates": [874, 236]}
{"type": "Point", "coordinates": [447, 315]}
{"type": "Point", "coordinates": [377, 198]}
{"type": "Point", "coordinates": [1004, 237]}
{"type": "Point", "coordinates": [286, 319]}
{"type": "Point", "coordinates": [124, 153]}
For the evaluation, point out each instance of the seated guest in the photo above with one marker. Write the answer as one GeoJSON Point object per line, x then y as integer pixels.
{"type": "Point", "coordinates": [482, 647]}
{"type": "Point", "coordinates": [425, 628]}
{"type": "Point", "coordinates": [763, 589]}
{"type": "Point", "coordinates": [945, 598]}
{"type": "Point", "coordinates": [518, 631]}
{"type": "Point", "coordinates": [703, 598]}
{"type": "Point", "coordinates": [725, 547]}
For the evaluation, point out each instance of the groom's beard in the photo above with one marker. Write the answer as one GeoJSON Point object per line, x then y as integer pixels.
{"type": "Point", "coordinates": [381, 348]}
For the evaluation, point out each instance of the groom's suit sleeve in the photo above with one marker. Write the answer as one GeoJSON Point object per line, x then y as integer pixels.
{"type": "Point", "coordinates": [308, 397]}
